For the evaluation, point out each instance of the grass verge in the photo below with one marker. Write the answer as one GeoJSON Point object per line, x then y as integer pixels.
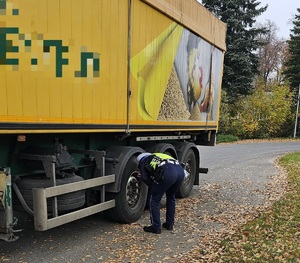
{"type": "Point", "coordinates": [221, 138]}
{"type": "Point", "coordinates": [274, 236]}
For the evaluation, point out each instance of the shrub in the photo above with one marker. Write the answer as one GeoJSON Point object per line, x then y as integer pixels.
{"type": "Point", "coordinates": [263, 114]}
{"type": "Point", "coordinates": [226, 138]}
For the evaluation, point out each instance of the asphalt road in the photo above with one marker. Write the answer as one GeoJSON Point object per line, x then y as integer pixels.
{"type": "Point", "coordinates": [237, 173]}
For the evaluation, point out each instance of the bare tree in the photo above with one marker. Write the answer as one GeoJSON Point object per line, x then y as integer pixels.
{"type": "Point", "coordinates": [271, 53]}
{"type": "Point", "coordinates": [282, 61]}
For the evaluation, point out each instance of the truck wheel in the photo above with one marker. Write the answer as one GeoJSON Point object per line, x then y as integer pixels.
{"type": "Point", "coordinates": [131, 200]}
{"type": "Point", "coordinates": [190, 165]}
{"type": "Point", "coordinates": [65, 202]}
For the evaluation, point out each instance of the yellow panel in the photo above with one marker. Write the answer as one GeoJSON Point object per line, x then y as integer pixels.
{"type": "Point", "coordinates": [119, 57]}
{"type": "Point", "coordinates": [77, 101]}
{"type": "Point", "coordinates": [95, 95]}
{"type": "Point", "coordinates": [87, 99]}
{"type": "Point", "coordinates": [87, 22]}
{"type": "Point", "coordinates": [105, 58]}
{"type": "Point", "coordinates": [42, 12]}
{"type": "Point", "coordinates": [54, 19]}
{"type": "Point", "coordinates": [122, 57]}
{"type": "Point", "coordinates": [14, 94]}
{"type": "Point", "coordinates": [96, 29]}
{"type": "Point", "coordinates": [87, 39]}
{"type": "Point", "coordinates": [65, 18]}
{"type": "Point", "coordinates": [66, 99]}
{"type": "Point", "coordinates": [55, 100]}
{"type": "Point", "coordinates": [3, 96]}
{"type": "Point", "coordinates": [113, 67]}
{"type": "Point", "coordinates": [29, 95]}
{"type": "Point", "coordinates": [59, 45]}
{"type": "Point", "coordinates": [43, 107]}
{"type": "Point", "coordinates": [76, 22]}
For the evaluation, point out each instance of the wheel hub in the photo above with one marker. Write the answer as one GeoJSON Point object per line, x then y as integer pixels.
{"type": "Point", "coordinates": [187, 178]}
{"type": "Point", "coordinates": [133, 190]}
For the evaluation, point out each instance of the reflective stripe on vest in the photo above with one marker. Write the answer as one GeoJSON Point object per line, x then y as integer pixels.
{"type": "Point", "coordinates": [163, 156]}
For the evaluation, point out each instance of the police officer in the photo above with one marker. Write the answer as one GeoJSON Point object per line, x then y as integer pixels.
{"type": "Point", "coordinates": [163, 174]}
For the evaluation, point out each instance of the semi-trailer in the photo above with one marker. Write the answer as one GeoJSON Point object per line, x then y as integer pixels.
{"type": "Point", "coordinates": [86, 86]}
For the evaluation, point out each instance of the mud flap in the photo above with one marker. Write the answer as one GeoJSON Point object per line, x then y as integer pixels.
{"type": "Point", "coordinates": [6, 212]}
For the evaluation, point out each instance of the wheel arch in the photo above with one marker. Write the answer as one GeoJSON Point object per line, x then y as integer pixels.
{"type": "Point", "coordinates": [163, 147]}
{"type": "Point", "coordinates": [121, 154]}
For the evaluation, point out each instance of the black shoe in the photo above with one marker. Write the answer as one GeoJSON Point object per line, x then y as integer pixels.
{"type": "Point", "coordinates": [166, 226]}
{"type": "Point", "coordinates": [150, 229]}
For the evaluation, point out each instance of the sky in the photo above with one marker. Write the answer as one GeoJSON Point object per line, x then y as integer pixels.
{"type": "Point", "coordinates": [280, 12]}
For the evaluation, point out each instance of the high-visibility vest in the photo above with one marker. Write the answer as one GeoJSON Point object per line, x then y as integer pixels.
{"type": "Point", "coordinates": [161, 157]}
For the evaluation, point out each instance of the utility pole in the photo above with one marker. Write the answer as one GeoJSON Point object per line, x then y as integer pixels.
{"type": "Point", "coordinates": [296, 120]}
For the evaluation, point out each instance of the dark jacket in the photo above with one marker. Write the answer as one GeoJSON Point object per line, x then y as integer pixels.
{"type": "Point", "coordinates": [150, 169]}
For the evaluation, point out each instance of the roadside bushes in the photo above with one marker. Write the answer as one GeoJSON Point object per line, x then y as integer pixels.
{"type": "Point", "coordinates": [226, 138]}
{"type": "Point", "coordinates": [263, 114]}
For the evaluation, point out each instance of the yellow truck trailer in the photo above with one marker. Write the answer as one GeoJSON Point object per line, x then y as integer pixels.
{"type": "Point", "coordinates": [86, 86]}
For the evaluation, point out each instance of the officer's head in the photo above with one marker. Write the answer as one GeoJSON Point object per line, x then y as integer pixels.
{"type": "Point", "coordinates": [142, 156]}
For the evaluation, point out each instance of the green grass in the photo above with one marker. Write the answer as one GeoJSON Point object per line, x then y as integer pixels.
{"type": "Point", "coordinates": [226, 138]}
{"type": "Point", "coordinates": [275, 235]}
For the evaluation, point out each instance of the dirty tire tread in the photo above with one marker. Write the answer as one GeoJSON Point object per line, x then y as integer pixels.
{"type": "Point", "coordinates": [185, 190]}
{"type": "Point", "coordinates": [122, 213]}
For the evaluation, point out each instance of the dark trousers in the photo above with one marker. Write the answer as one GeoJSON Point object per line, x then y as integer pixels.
{"type": "Point", "coordinates": [173, 177]}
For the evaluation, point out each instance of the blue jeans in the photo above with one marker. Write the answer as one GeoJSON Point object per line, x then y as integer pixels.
{"type": "Point", "coordinates": [173, 177]}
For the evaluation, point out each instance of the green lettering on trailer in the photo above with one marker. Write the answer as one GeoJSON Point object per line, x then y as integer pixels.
{"type": "Point", "coordinates": [7, 46]}
{"type": "Point", "coordinates": [60, 49]}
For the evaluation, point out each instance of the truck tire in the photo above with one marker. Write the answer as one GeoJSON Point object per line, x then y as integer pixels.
{"type": "Point", "coordinates": [131, 200]}
{"type": "Point", "coordinates": [66, 202]}
{"type": "Point", "coordinates": [190, 165]}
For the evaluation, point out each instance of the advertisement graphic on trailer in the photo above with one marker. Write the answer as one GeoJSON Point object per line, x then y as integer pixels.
{"type": "Point", "coordinates": [193, 69]}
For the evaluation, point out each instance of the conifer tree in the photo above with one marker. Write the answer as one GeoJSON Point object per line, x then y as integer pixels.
{"type": "Point", "coordinates": [240, 62]}
{"type": "Point", "coordinates": [292, 66]}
